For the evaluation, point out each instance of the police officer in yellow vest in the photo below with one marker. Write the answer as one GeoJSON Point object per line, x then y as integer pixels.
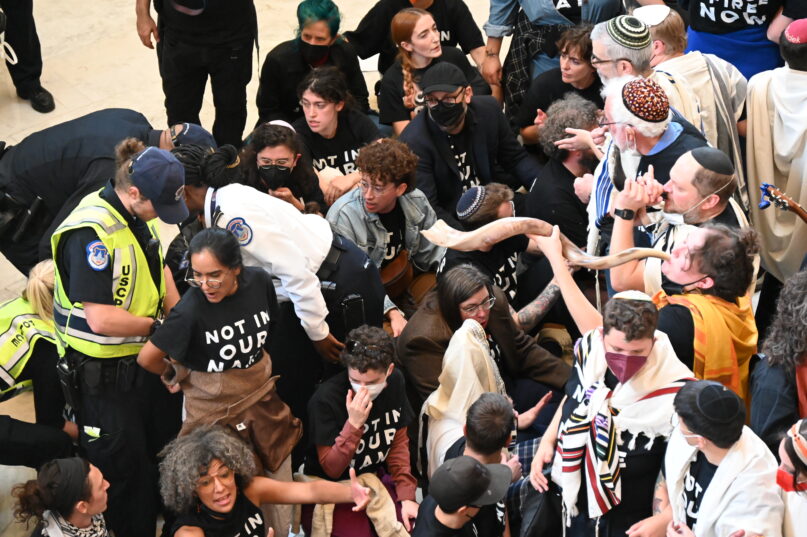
{"type": "Point", "coordinates": [28, 359]}
{"type": "Point", "coordinates": [110, 292]}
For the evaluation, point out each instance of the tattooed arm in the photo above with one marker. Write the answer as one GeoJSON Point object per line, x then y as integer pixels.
{"type": "Point", "coordinates": [656, 525]}
{"type": "Point", "coordinates": [661, 499]}
{"type": "Point", "coordinates": [531, 314]}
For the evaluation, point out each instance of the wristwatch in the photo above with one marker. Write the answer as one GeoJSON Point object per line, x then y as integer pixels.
{"type": "Point", "coordinates": [154, 326]}
{"type": "Point", "coordinates": [625, 214]}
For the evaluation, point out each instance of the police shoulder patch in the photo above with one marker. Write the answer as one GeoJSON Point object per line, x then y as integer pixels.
{"type": "Point", "coordinates": [97, 255]}
{"type": "Point", "coordinates": [239, 227]}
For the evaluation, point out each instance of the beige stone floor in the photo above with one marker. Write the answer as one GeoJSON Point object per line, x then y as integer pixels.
{"type": "Point", "coordinates": [93, 59]}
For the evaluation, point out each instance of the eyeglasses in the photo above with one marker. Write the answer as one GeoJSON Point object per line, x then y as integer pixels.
{"type": "Point", "coordinates": [473, 308]}
{"type": "Point", "coordinates": [675, 421]}
{"type": "Point", "coordinates": [377, 189]}
{"type": "Point", "coordinates": [211, 283]}
{"type": "Point", "coordinates": [449, 100]}
{"type": "Point", "coordinates": [318, 105]}
{"type": "Point", "coordinates": [207, 482]}
{"type": "Point", "coordinates": [595, 61]}
{"type": "Point", "coordinates": [357, 347]}
{"type": "Point", "coordinates": [603, 123]}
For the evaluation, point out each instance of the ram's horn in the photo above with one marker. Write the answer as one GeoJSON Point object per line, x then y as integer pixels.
{"type": "Point", "coordinates": [486, 236]}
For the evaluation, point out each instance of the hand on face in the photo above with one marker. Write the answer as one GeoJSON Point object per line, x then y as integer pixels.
{"type": "Point", "coordinates": [358, 407]}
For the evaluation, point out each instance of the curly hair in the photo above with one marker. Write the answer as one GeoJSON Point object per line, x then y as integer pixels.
{"type": "Point", "coordinates": [636, 318]}
{"type": "Point", "coordinates": [727, 256]}
{"type": "Point", "coordinates": [571, 112]}
{"type": "Point", "coordinates": [188, 457]}
{"type": "Point", "coordinates": [388, 161]}
{"type": "Point", "coordinates": [786, 341]}
{"type": "Point", "coordinates": [368, 347]}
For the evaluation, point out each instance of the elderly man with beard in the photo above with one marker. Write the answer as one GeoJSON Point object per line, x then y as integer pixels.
{"type": "Point", "coordinates": [463, 141]}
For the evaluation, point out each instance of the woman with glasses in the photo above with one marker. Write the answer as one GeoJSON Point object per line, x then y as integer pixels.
{"type": "Point", "coordinates": [464, 292]}
{"type": "Point", "coordinates": [316, 44]}
{"type": "Point", "coordinates": [415, 34]}
{"type": "Point", "coordinates": [216, 337]}
{"type": "Point", "coordinates": [333, 130]}
{"type": "Point", "coordinates": [209, 479]}
{"type": "Point", "coordinates": [359, 420]}
{"type": "Point", "coordinates": [273, 162]}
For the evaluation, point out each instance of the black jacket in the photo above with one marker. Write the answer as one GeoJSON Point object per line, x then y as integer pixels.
{"type": "Point", "coordinates": [284, 69]}
{"type": "Point", "coordinates": [493, 144]}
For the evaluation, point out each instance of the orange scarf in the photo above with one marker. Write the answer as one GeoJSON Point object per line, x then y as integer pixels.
{"type": "Point", "coordinates": [725, 337]}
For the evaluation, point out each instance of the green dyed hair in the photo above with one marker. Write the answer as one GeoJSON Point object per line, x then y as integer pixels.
{"type": "Point", "coordinates": [318, 10]}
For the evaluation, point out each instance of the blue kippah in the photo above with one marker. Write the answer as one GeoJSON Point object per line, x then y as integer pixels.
{"type": "Point", "coordinates": [470, 202]}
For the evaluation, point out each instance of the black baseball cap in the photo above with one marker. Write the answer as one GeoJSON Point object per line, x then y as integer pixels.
{"type": "Point", "coordinates": [161, 179]}
{"type": "Point", "coordinates": [466, 481]}
{"type": "Point", "coordinates": [191, 133]}
{"type": "Point", "coordinates": [443, 76]}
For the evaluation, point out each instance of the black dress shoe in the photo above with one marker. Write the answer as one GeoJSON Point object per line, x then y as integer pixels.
{"type": "Point", "coordinates": [41, 100]}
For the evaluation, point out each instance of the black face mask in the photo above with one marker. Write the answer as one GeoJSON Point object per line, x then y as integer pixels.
{"type": "Point", "coordinates": [274, 176]}
{"type": "Point", "coordinates": [314, 54]}
{"type": "Point", "coordinates": [447, 116]}
{"type": "Point", "coordinates": [672, 288]}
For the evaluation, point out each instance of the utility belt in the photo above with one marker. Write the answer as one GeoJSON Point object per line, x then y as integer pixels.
{"type": "Point", "coordinates": [331, 262]}
{"type": "Point", "coordinates": [17, 218]}
{"type": "Point", "coordinates": [81, 375]}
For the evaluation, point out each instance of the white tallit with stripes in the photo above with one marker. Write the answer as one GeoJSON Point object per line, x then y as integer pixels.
{"type": "Point", "coordinates": [589, 439]}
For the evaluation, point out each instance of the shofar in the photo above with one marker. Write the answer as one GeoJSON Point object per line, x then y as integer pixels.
{"type": "Point", "coordinates": [486, 236]}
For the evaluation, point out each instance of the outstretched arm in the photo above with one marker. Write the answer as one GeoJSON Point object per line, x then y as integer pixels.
{"type": "Point", "coordinates": [266, 490]}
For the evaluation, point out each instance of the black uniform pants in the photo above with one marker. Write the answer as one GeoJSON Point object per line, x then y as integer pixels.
{"type": "Point", "coordinates": [30, 444]}
{"type": "Point", "coordinates": [184, 69]}
{"type": "Point", "coordinates": [21, 35]}
{"type": "Point", "coordinates": [294, 358]}
{"type": "Point", "coordinates": [126, 416]}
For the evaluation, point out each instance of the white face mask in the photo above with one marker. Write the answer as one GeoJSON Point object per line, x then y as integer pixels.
{"type": "Point", "coordinates": [674, 219]}
{"type": "Point", "coordinates": [373, 389]}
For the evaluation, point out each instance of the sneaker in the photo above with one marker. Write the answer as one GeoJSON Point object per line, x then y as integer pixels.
{"type": "Point", "coordinates": [41, 100]}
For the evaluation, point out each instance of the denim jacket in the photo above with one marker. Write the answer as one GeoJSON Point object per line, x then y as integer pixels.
{"type": "Point", "coordinates": [503, 14]}
{"type": "Point", "coordinates": [349, 217]}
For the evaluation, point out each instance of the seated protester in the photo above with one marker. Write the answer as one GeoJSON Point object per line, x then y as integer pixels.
{"type": "Point", "coordinates": [708, 317]}
{"type": "Point", "coordinates": [622, 387]}
{"type": "Point", "coordinates": [68, 497]}
{"type": "Point", "coordinates": [482, 205]}
{"type": "Point", "coordinates": [333, 130]}
{"type": "Point", "coordinates": [463, 141]}
{"type": "Point", "coordinates": [469, 373]}
{"type": "Point", "coordinates": [272, 162]}
{"type": "Point", "coordinates": [227, 380]}
{"type": "Point", "coordinates": [454, 21]}
{"type": "Point", "coordinates": [317, 44]}
{"type": "Point", "coordinates": [644, 131]}
{"type": "Point", "coordinates": [28, 358]}
{"type": "Point", "coordinates": [384, 217]}
{"type": "Point", "coordinates": [700, 189]}
{"type": "Point", "coordinates": [720, 477]}
{"type": "Point", "coordinates": [464, 292]}
{"type": "Point", "coordinates": [359, 420]}
{"type": "Point", "coordinates": [301, 253]}
{"type": "Point", "coordinates": [415, 34]}
{"type": "Point", "coordinates": [719, 85]}
{"type": "Point", "coordinates": [779, 378]}
{"type": "Point", "coordinates": [792, 478]}
{"type": "Point", "coordinates": [461, 493]}
{"type": "Point", "coordinates": [575, 75]}
{"type": "Point", "coordinates": [209, 480]}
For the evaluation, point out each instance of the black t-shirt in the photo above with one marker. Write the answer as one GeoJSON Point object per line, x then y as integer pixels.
{"type": "Point", "coordinates": [452, 17]}
{"type": "Point", "coordinates": [390, 101]}
{"type": "Point", "coordinates": [553, 200]}
{"type": "Point", "coordinates": [427, 524]}
{"type": "Point", "coordinates": [569, 9]}
{"type": "Point", "coordinates": [499, 263]}
{"type": "Point", "coordinates": [84, 262]}
{"type": "Point", "coordinates": [327, 415]}
{"type": "Point", "coordinates": [489, 521]}
{"type": "Point", "coordinates": [549, 87]}
{"type": "Point", "coordinates": [464, 158]}
{"type": "Point", "coordinates": [354, 130]}
{"type": "Point", "coordinates": [395, 224]}
{"type": "Point", "coordinates": [221, 22]}
{"type": "Point", "coordinates": [696, 481]}
{"type": "Point", "coordinates": [245, 520]}
{"type": "Point", "coordinates": [724, 16]}
{"type": "Point", "coordinates": [228, 335]}
{"type": "Point", "coordinates": [642, 466]}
